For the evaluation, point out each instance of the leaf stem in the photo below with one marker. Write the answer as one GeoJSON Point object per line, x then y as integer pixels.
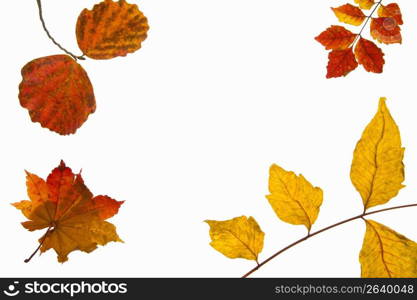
{"type": "Point", "coordinates": [366, 22]}
{"type": "Point", "coordinates": [40, 245]}
{"type": "Point", "coordinates": [361, 216]}
{"type": "Point", "coordinates": [50, 36]}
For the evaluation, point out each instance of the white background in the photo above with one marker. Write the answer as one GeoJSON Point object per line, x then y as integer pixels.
{"type": "Point", "coordinates": [187, 127]}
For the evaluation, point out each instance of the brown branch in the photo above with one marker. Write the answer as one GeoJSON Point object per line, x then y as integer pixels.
{"type": "Point", "coordinates": [40, 245]}
{"type": "Point", "coordinates": [50, 36]}
{"type": "Point", "coordinates": [361, 216]}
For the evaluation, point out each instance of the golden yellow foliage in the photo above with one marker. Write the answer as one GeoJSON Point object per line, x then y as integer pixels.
{"type": "Point", "coordinates": [365, 4]}
{"type": "Point", "coordinates": [377, 172]}
{"type": "Point", "coordinates": [293, 198]}
{"type": "Point", "coordinates": [239, 237]}
{"type": "Point", "coordinates": [377, 169]}
{"type": "Point", "coordinates": [386, 253]}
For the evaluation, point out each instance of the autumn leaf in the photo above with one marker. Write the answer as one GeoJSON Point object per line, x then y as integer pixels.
{"type": "Point", "coordinates": [377, 170]}
{"type": "Point", "coordinates": [341, 63]}
{"type": "Point", "coordinates": [111, 29]}
{"type": "Point", "coordinates": [365, 4]}
{"type": "Point", "coordinates": [386, 30]}
{"type": "Point", "coordinates": [369, 55]}
{"type": "Point", "coordinates": [336, 38]}
{"type": "Point", "coordinates": [239, 237]}
{"type": "Point", "coordinates": [57, 92]}
{"type": "Point", "coordinates": [391, 10]}
{"type": "Point", "coordinates": [386, 253]}
{"type": "Point", "coordinates": [293, 198]}
{"type": "Point", "coordinates": [349, 14]}
{"type": "Point", "coordinates": [75, 220]}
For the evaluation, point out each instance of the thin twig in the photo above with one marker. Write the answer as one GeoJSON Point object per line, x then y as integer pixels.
{"type": "Point", "coordinates": [40, 245]}
{"type": "Point", "coordinates": [50, 36]}
{"type": "Point", "coordinates": [361, 216]}
{"type": "Point", "coordinates": [366, 22]}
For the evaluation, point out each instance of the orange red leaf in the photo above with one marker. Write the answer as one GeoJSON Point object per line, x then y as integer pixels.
{"type": "Point", "coordinates": [57, 92]}
{"type": "Point", "coordinates": [391, 10]}
{"type": "Point", "coordinates": [336, 38]}
{"type": "Point", "coordinates": [349, 14]}
{"type": "Point", "coordinates": [386, 30]}
{"type": "Point", "coordinates": [341, 63]}
{"type": "Point", "coordinates": [369, 55]}
{"type": "Point", "coordinates": [74, 218]}
{"type": "Point", "coordinates": [111, 29]}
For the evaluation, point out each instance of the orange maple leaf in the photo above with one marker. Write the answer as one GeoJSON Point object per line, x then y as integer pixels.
{"type": "Point", "coordinates": [341, 63]}
{"type": "Point", "coordinates": [57, 92]}
{"type": "Point", "coordinates": [386, 30]}
{"type": "Point", "coordinates": [111, 29]}
{"type": "Point", "coordinates": [336, 38]}
{"type": "Point", "coordinates": [75, 220]}
{"type": "Point", "coordinates": [391, 10]}
{"type": "Point", "coordinates": [369, 55]}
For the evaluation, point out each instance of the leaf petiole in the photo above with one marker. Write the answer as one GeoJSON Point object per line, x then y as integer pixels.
{"type": "Point", "coordinates": [50, 36]}
{"type": "Point", "coordinates": [40, 245]}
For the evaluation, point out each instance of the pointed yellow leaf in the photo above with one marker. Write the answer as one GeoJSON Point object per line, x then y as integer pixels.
{"type": "Point", "coordinates": [377, 170]}
{"type": "Point", "coordinates": [237, 238]}
{"type": "Point", "coordinates": [365, 4]}
{"type": "Point", "coordinates": [386, 253]}
{"type": "Point", "coordinates": [293, 198]}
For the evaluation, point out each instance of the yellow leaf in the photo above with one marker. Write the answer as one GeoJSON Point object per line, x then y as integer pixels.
{"type": "Point", "coordinates": [293, 198]}
{"type": "Point", "coordinates": [237, 238]}
{"type": "Point", "coordinates": [377, 170]}
{"type": "Point", "coordinates": [386, 253]}
{"type": "Point", "coordinates": [365, 4]}
{"type": "Point", "coordinates": [349, 14]}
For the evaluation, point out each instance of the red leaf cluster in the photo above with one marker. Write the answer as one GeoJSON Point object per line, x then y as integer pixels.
{"type": "Point", "coordinates": [349, 49]}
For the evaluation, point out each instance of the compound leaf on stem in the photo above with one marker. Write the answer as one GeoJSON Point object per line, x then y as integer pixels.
{"type": "Point", "coordinates": [384, 28]}
{"type": "Point", "coordinates": [293, 198]}
{"type": "Point", "coordinates": [386, 253]}
{"type": "Point", "coordinates": [240, 237]}
{"type": "Point", "coordinates": [377, 170]}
